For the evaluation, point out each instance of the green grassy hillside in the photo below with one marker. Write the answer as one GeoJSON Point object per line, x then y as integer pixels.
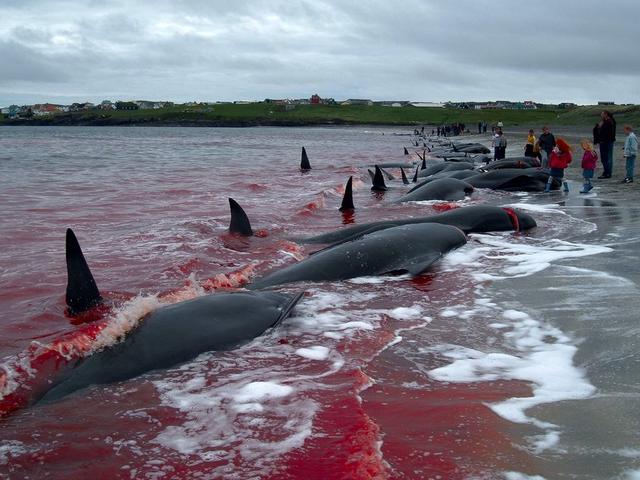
{"type": "Point", "coordinates": [269, 114]}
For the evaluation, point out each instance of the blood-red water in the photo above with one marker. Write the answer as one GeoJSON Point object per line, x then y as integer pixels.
{"type": "Point", "coordinates": [149, 207]}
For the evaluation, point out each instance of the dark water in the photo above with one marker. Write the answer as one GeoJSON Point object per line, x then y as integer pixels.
{"type": "Point", "coordinates": [515, 357]}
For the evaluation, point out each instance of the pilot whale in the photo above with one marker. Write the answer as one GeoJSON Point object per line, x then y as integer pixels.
{"type": "Point", "coordinates": [471, 219]}
{"type": "Point", "coordinates": [447, 189]}
{"type": "Point", "coordinates": [176, 334]}
{"type": "Point", "coordinates": [406, 248]}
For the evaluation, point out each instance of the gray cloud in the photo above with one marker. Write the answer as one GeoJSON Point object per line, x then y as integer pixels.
{"type": "Point", "coordinates": [571, 50]}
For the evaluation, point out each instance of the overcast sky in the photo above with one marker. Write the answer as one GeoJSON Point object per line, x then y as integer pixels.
{"type": "Point", "coordinates": [66, 51]}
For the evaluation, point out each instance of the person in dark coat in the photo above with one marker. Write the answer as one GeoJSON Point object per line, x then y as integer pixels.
{"type": "Point", "coordinates": [606, 139]}
{"type": "Point", "coordinates": [546, 142]}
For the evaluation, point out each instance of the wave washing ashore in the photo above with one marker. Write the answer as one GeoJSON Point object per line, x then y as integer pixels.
{"type": "Point", "coordinates": [513, 357]}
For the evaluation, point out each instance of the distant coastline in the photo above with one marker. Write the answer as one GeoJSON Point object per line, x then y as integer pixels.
{"type": "Point", "coordinates": [262, 114]}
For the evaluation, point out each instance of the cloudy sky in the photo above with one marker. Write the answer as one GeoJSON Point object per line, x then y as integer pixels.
{"type": "Point", "coordinates": [422, 50]}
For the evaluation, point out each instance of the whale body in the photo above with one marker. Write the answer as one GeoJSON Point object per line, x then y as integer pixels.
{"type": "Point", "coordinates": [176, 334]}
{"type": "Point", "coordinates": [405, 248]}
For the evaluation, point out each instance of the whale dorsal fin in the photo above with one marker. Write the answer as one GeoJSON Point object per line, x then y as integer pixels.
{"type": "Point", "coordinates": [405, 180]}
{"type": "Point", "coordinates": [415, 175]}
{"type": "Point", "coordinates": [239, 221]}
{"type": "Point", "coordinates": [82, 291]}
{"type": "Point", "coordinates": [406, 152]}
{"type": "Point", "coordinates": [423, 166]}
{"type": "Point", "coordinates": [304, 161]}
{"type": "Point", "coordinates": [347, 199]}
{"type": "Point", "coordinates": [378, 181]}
{"type": "Point", "coordinates": [371, 174]}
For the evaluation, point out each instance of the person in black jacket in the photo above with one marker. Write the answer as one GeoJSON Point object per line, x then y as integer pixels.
{"type": "Point", "coordinates": [546, 142]}
{"type": "Point", "coordinates": [606, 136]}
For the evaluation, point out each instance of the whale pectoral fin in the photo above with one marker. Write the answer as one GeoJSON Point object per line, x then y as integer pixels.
{"type": "Point", "coordinates": [420, 264]}
{"type": "Point", "coordinates": [287, 308]}
{"type": "Point", "coordinates": [82, 292]}
{"type": "Point", "coordinates": [239, 221]}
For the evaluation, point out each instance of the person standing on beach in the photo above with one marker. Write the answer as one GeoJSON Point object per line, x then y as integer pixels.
{"type": "Point", "coordinates": [606, 137]}
{"type": "Point", "coordinates": [499, 145]}
{"type": "Point", "coordinates": [559, 159]}
{"type": "Point", "coordinates": [630, 152]}
{"type": "Point", "coordinates": [546, 142]}
{"type": "Point", "coordinates": [530, 145]}
{"type": "Point", "coordinates": [589, 161]}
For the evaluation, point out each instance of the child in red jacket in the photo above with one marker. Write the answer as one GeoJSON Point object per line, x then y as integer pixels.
{"type": "Point", "coordinates": [559, 159]}
{"type": "Point", "coordinates": [589, 160]}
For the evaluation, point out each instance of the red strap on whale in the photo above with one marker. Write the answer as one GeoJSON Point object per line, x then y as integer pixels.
{"type": "Point", "coordinates": [513, 217]}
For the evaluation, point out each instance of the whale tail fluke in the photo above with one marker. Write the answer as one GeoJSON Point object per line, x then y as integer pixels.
{"type": "Point", "coordinates": [405, 180]}
{"type": "Point", "coordinates": [304, 161]}
{"type": "Point", "coordinates": [347, 199]}
{"type": "Point", "coordinates": [82, 292]}
{"type": "Point", "coordinates": [239, 221]}
{"type": "Point", "coordinates": [378, 181]}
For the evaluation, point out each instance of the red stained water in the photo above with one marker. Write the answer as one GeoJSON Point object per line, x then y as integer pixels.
{"type": "Point", "coordinates": [149, 207]}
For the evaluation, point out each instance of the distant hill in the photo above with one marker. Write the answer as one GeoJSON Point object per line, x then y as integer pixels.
{"type": "Point", "coordinates": [257, 114]}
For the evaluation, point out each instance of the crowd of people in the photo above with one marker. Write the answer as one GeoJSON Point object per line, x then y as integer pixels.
{"type": "Point", "coordinates": [555, 154]}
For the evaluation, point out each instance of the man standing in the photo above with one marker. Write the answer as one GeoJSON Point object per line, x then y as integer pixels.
{"type": "Point", "coordinates": [499, 145]}
{"type": "Point", "coordinates": [630, 152]}
{"type": "Point", "coordinates": [606, 137]}
{"type": "Point", "coordinates": [546, 142]}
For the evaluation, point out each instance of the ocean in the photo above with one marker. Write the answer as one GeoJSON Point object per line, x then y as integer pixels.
{"type": "Point", "coordinates": [516, 356]}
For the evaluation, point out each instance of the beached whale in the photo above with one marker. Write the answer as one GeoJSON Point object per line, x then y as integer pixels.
{"type": "Point", "coordinates": [406, 248]}
{"type": "Point", "coordinates": [459, 174]}
{"type": "Point", "coordinates": [472, 219]}
{"type": "Point", "coordinates": [445, 167]}
{"type": "Point", "coordinates": [514, 180]}
{"type": "Point", "coordinates": [176, 334]}
{"type": "Point", "coordinates": [515, 162]}
{"type": "Point", "coordinates": [446, 189]}
{"type": "Point", "coordinates": [470, 148]}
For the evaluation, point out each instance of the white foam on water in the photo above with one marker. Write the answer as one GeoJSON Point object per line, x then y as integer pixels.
{"type": "Point", "coordinates": [246, 420]}
{"type": "Point", "coordinates": [632, 475]}
{"type": "Point", "coordinates": [540, 354]}
{"type": "Point", "coordinates": [246, 408]}
{"type": "Point", "coordinates": [125, 319]}
{"type": "Point", "coordinates": [11, 448]}
{"type": "Point", "coordinates": [515, 259]}
{"type": "Point", "coordinates": [521, 476]}
{"type": "Point", "coordinates": [533, 350]}
{"type": "Point", "coordinates": [316, 352]}
{"type": "Point", "coordinates": [543, 208]}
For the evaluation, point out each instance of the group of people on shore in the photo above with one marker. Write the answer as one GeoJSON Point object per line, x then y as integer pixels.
{"type": "Point", "coordinates": [555, 154]}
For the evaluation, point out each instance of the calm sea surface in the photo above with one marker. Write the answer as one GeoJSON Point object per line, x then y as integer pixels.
{"type": "Point", "coordinates": [516, 356]}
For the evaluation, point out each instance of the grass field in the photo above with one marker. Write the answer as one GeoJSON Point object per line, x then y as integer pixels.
{"type": "Point", "coordinates": [269, 114]}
